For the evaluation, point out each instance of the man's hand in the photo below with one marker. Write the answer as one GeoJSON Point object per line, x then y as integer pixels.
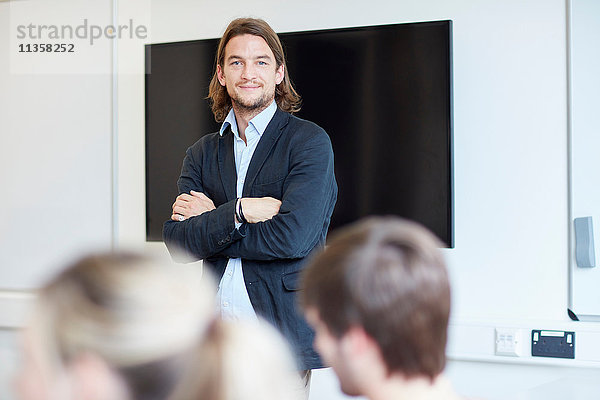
{"type": "Point", "coordinates": [190, 205]}
{"type": "Point", "coordinates": [259, 209]}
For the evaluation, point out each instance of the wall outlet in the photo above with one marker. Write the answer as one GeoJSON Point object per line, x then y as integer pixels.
{"type": "Point", "coordinates": [508, 342]}
{"type": "Point", "coordinates": [552, 344]}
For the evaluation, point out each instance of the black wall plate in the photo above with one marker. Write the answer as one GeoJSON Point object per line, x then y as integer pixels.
{"type": "Point", "coordinates": [557, 344]}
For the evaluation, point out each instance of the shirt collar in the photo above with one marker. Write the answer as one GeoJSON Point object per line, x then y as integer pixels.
{"type": "Point", "coordinates": [259, 122]}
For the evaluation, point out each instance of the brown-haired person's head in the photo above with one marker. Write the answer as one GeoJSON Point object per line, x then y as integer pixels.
{"type": "Point", "coordinates": [378, 296]}
{"type": "Point", "coordinates": [250, 70]}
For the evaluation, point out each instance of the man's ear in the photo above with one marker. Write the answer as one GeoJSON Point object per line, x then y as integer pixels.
{"type": "Point", "coordinates": [91, 378]}
{"type": "Point", "coordinates": [279, 74]}
{"type": "Point", "coordinates": [220, 75]}
{"type": "Point", "coordinates": [359, 340]}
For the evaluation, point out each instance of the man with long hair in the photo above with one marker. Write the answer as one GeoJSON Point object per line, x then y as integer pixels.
{"type": "Point", "coordinates": [256, 197]}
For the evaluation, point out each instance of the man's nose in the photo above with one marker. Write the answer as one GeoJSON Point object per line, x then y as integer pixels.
{"type": "Point", "coordinates": [249, 71]}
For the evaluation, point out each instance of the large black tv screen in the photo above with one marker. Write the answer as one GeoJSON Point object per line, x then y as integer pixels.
{"type": "Point", "coordinates": [382, 93]}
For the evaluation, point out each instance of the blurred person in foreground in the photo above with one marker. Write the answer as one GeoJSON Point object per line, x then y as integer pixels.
{"type": "Point", "coordinates": [250, 362]}
{"type": "Point", "coordinates": [378, 298]}
{"type": "Point", "coordinates": [130, 327]}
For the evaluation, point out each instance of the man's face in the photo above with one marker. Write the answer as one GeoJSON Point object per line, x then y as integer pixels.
{"type": "Point", "coordinates": [337, 353]}
{"type": "Point", "coordinates": [249, 72]}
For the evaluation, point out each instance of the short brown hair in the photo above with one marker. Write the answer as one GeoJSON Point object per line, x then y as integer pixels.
{"type": "Point", "coordinates": [388, 276]}
{"type": "Point", "coordinates": [285, 95]}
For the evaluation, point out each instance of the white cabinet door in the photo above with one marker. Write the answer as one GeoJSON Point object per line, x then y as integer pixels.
{"type": "Point", "coordinates": [584, 35]}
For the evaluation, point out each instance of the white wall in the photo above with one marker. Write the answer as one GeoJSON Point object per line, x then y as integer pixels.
{"type": "Point", "coordinates": [492, 381]}
{"type": "Point", "coordinates": [510, 264]}
{"type": "Point", "coordinates": [55, 145]}
{"type": "Point", "coordinates": [510, 102]}
{"type": "Point", "coordinates": [55, 158]}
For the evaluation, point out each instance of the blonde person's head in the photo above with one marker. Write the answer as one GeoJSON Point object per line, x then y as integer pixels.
{"type": "Point", "coordinates": [119, 324]}
{"type": "Point", "coordinates": [242, 361]}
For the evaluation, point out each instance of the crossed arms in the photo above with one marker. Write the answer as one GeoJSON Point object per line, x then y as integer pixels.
{"type": "Point", "coordinates": [255, 209]}
{"type": "Point", "coordinates": [289, 227]}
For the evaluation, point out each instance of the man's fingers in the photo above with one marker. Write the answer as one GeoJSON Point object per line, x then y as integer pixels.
{"type": "Point", "coordinates": [200, 195]}
{"type": "Point", "coordinates": [184, 197]}
{"type": "Point", "coordinates": [179, 210]}
{"type": "Point", "coordinates": [180, 204]}
{"type": "Point", "coordinates": [177, 217]}
{"type": "Point", "coordinates": [190, 205]}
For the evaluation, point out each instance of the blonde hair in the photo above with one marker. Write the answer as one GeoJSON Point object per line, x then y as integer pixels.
{"type": "Point", "coordinates": [138, 314]}
{"type": "Point", "coordinates": [252, 355]}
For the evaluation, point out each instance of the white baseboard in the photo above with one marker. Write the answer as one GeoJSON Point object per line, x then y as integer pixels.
{"type": "Point", "coordinates": [474, 340]}
{"type": "Point", "coordinates": [14, 308]}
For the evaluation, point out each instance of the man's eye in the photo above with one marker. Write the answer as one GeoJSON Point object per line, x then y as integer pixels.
{"type": "Point", "coordinates": [262, 63]}
{"type": "Point", "coordinates": [236, 63]}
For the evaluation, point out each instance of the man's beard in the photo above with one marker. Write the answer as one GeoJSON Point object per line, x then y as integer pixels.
{"type": "Point", "coordinates": [252, 105]}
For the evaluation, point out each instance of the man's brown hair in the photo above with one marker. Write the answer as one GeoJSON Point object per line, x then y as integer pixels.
{"type": "Point", "coordinates": [388, 276]}
{"type": "Point", "coordinates": [285, 95]}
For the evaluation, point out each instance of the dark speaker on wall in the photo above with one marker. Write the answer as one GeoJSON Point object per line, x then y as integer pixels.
{"type": "Point", "coordinates": [382, 93]}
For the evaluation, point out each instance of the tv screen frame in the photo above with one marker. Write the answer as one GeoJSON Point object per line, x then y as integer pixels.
{"type": "Point", "coordinates": [383, 93]}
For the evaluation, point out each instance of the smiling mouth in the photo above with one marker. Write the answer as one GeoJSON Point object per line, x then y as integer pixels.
{"type": "Point", "coordinates": [249, 85]}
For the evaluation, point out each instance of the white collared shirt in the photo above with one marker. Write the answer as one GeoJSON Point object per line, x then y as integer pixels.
{"type": "Point", "coordinates": [232, 295]}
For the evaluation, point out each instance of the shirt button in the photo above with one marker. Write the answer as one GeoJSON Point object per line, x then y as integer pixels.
{"type": "Point", "coordinates": [225, 304]}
